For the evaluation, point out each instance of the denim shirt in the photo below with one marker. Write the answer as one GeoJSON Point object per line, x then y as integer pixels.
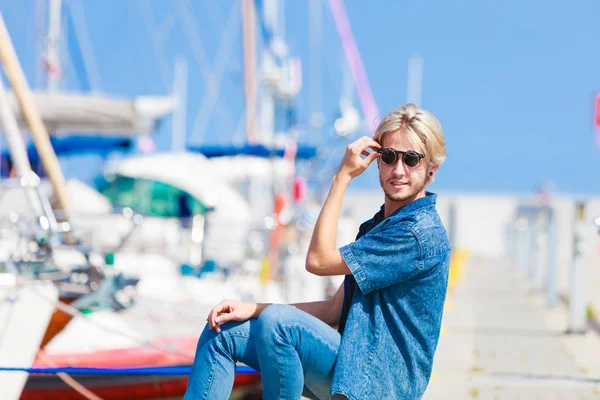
{"type": "Point", "coordinates": [393, 304]}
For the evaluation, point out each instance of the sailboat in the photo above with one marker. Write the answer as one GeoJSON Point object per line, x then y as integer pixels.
{"type": "Point", "coordinates": [174, 292]}
{"type": "Point", "coordinates": [97, 339]}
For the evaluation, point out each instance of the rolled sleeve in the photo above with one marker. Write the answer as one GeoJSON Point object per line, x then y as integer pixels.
{"type": "Point", "coordinates": [383, 258]}
{"type": "Point", "coordinates": [355, 268]}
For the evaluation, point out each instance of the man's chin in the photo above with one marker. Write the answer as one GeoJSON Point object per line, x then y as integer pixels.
{"type": "Point", "coordinates": [396, 196]}
{"type": "Point", "coordinates": [402, 195]}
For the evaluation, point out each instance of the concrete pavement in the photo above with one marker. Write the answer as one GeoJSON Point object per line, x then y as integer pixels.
{"type": "Point", "coordinates": [499, 341]}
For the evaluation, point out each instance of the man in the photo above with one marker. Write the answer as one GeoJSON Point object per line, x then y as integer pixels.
{"type": "Point", "coordinates": [389, 308]}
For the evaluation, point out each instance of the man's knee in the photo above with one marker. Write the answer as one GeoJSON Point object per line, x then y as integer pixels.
{"type": "Point", "coordinates": [220, 341]}
{"type": "Point", "coordinates": [273, 318]}
{"type": "Point", "coordinates": [207, 334]}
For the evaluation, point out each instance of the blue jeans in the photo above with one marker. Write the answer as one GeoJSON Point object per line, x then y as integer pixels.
{"type": "Point", "coordinates": [294, 352]}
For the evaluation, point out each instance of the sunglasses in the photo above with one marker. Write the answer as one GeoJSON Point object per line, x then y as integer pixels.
{"type": "Point", "coordinates": [390, 156]}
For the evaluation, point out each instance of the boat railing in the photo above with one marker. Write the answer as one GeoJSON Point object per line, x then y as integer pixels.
{"type": "Point", "coordinates": [31, 230]}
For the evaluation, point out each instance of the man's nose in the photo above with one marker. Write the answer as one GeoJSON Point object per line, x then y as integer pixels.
{"type": "Point", "coordinates": [399, 168]}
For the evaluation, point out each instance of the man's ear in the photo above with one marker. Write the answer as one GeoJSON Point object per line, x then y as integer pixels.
{"type": "Point", "coordinates": [434, 168]}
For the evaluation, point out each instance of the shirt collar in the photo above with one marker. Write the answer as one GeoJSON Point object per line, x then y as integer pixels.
{"type": "Point", "coordinates": [427, 201]}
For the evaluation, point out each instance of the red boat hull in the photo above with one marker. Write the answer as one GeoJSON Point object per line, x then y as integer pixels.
{"type": "Point", "coordinates": [48, 387]}
{"type": "Point", "coordinates": [126, 387]}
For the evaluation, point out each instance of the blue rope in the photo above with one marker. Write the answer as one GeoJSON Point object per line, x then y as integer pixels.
{"type": "Point", "coordinates": [174, 370]}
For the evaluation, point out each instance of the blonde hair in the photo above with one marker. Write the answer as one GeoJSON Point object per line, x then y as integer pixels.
{"type": "Point", "coordinates": [422, 129]}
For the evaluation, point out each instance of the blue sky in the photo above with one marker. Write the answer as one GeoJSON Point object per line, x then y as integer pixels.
{"type": "Point", "coordinates": [512, 82]}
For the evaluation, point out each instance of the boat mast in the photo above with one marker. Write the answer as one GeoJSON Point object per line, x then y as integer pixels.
{"type": "Point", "coordinates": [16, 145]}
{"type": "Point", "coordinates": [40, 137]}
{"type": "Point", "coordinates": [365, 95]}
{"type": "Point", "coordinates": [248, 19]}
{"type": "Point", "coordinates": [415, 80]}
{"type": "Point", "coordinates": [315, 59]}
{"type": "Point", "coordinates": [53, 45]}
{"type": "Point", "coordinates": [178, 135]}
{"type": "Point", "coordinates": [269, 75]}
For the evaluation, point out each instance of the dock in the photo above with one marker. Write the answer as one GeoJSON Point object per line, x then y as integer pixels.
{"type": "Point", "coordinates": [500, 340]}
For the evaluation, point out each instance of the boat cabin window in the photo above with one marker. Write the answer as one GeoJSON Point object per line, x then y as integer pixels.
{"type": "Point", "coordinates": [152, 198]}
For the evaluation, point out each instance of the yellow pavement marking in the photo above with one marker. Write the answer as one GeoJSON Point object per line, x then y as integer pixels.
{"type": "Point", "coordinates": [448, 305]}
{"type": "Point", "coordinates": [455, 276]}
{"type": "Point", "coordinates": [457, 268]}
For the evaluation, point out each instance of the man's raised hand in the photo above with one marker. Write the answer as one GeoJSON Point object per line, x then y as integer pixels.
{"type": "Point", "coordinates": [353, 164]}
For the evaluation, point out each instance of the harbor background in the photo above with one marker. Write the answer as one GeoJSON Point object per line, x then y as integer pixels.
{"type": "Point", "coordinates": [196, 140]}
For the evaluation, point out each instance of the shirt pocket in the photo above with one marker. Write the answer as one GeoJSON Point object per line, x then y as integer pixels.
{"type": "Point", "coordinates": [433, 241]}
